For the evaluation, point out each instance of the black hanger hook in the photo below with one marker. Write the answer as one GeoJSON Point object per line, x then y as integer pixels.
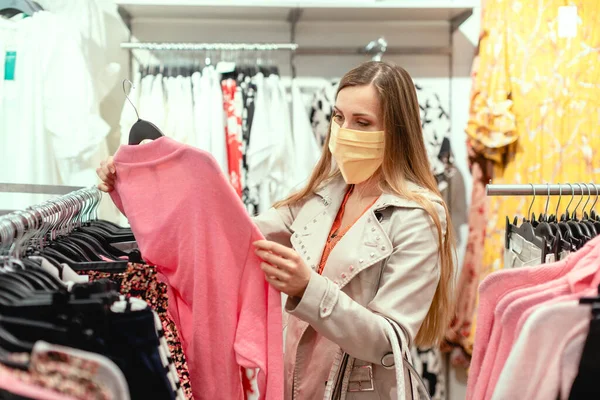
{"type": "Point", "coordinates": [127, 95]}
{"type": "Point", "coordinates": [547, 201]}
{"type": "Point", "coordinates": [595, 201]}
{"type": "Point", "coordinates": [588, 199]}
{"type": "Point", "coordinates": [559, 199]}
{"type": "Point", "coordinates": [532, 201]}
{"type": "Point", "coordinates": [580, 200]}
{"type": "Point", "coordinates": [572, 197]}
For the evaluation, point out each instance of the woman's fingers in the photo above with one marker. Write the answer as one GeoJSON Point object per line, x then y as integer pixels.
{"type": "Point", "coordinates": [275, 260]}
{"type": "Point", "coordinates": [274, 273]}
{"type": "Point", "coordinates": [107, 174]}
{"type": "Point", "coordinates": [105, 188]}
{"type": "Point", "coordinates": [104, 175]}
{"type": "Point", "coordinates": [273, 247]}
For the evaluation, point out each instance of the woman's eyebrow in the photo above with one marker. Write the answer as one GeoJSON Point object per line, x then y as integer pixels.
{"type": "Point", "coordinates": [337, 110]}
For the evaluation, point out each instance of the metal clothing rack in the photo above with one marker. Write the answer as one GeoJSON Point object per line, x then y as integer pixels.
{"type": "Point", "coordinates": [64, 212]}
{"type": "Point", "coordinates": [376, 48]}
{"type": "Point", "coordinates": [35, 189]}
{"type": "Point", "coordinates": [573, 189]}
{"type": "Point", "coordinates": [210, 46]}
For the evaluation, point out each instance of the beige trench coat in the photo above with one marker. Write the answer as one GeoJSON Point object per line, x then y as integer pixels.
{"type": "Point", "coordinates": [385, 265]}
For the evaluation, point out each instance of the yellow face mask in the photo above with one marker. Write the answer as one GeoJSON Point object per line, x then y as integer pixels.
{"type": "Point", "coordinates": [358, 154]}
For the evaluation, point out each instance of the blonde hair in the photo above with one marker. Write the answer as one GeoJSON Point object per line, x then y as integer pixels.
{"type": "Point", "coordinates": [405, 159]}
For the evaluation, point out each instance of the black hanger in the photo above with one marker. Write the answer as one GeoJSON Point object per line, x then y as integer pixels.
{"type": "Point", "coordinates": [542, 227]}
{"type": "Point", "coordinates": [10, 8]}
{"type": "Point", "coordinates": [526, 231]}
{"type": "Point", "coordinates": [142, 129]}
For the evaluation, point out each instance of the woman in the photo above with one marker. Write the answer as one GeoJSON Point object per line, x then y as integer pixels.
{"type": "Point", "coordinates": [368, 239]}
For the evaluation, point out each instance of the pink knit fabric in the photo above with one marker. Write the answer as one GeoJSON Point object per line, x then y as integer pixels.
{"type": "Point", "coordinates": [189, 222]}
{"type": "Point", "coordinates": [535, 367]}
{"type": "Point", "coordinates": [523, 301]}
{"type": "Point", "coordinates": [507, 328]}
{"type": "Point", "coordinates": [491, 291]}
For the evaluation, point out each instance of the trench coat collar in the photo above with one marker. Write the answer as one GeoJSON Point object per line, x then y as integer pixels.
{"type": "Point", "coordinates": [337, 187]}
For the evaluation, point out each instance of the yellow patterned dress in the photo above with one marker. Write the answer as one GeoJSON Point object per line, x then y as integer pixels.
{"type": "Point", "coordinates": [535, 107]}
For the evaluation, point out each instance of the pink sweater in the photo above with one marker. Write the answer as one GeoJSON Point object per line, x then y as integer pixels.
{"type": "Point", "coordinates": [538, 362]}
{"type": "Point", "coordinates": [522, 302]}
{"type": "Point", "coordinates": [189, 222]}
{"type": "Point", "coordinates": [491, 291]}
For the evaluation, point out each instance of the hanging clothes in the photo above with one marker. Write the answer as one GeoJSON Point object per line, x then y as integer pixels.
{"type": "Point", "coordinates": [141, 281]}
{"type": "Point", "coordinates": [217, 132]}
{"type": "Point", "coordinates": [306, 146]}
{"type": "Point", "coordinates": [530, 117]}
{"type": "Point", "coordinates": [58, 131]}
{"type": "Point", "coordinates": [232, 105]}
{"type": "Point", "coordinates": [528, 317]}
{"type": "Point", "coordinates": [321, 109]}
{"type": "Point", "coordinates": [435, 123]}
{"type": "Point", "coordinates": [249, 193]}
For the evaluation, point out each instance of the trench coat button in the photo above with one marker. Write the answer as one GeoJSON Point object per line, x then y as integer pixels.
{"type": "Point", "coordinates": [296, 235]}
{"type": "Point", "coordinates": [373, 229]}
{"type": "Point", "coordinates": [351, 268]}
{"type": "Point", "coordinates": [305, 228]}
{"type": "Point", "coordinates": [378, 238]}
{"type": "Point", "coordinates": [383, 248]}
{"type": "Point", "coordinates": [308, 258]}
{"type": "Point", "coordinates": [302, 246]}
{"type": "Point", "coordinates": [369, 219]}
{"type": "Point", "coordinates": [304, 252]}
{"type": "Point", "coordinates": [312, 266]}
{"type": "Point", "coordinates": [361, 261]}
{"type": "Point", "coordinates": [372, 255]}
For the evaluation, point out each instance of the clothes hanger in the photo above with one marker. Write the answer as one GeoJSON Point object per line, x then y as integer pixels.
{"type": "Point", "coordinates": [575, 221]}
{"type": "Point", "coordinates": [585, 217]}
{"type": "Point", "coordinates": [543, 228]}
{"type": "Point", "coordinates": [572, 232]}
{"type": "Point", "coordinates": [525, 230]}
{"type": "Point", "coordinates": [10, 8]}
{"type": "Point", "coordinates": [593, 217]}
{"type": "Point", "coordinates": [142, 129]}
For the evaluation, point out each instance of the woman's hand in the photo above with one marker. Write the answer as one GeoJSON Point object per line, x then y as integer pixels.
{"type": "Point", "coordinates": [283, 268]}
{"type": "Point", "coordinates": [107, 174]}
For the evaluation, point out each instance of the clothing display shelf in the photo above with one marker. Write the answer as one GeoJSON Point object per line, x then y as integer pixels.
{"type": "Point", "coordinates": [573, 189]}
{"type": "Point", "coordinates": [453, 12]}
{"type": "Point", "coordinates": [35, 189]}
{"type": "Point", "coordinates": [313, 10]}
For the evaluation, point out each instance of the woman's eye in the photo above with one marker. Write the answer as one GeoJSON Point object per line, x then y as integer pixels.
{"type": "Point", "coordinates": [337, 117]}
{"type": "Point", "coordinates": [363, 123]}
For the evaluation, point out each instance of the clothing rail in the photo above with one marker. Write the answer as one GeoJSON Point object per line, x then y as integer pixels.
{"type": "Point", "coordinates": [376, 50]}
{"type": "Point", "coordinates": [390, 51]}
{"type": "Point", "coordinates": [34, 189]}
{"type": "Point", "coordinates": [210, 46]}
{"type": "Point", "coordinates": [574, 189]}
{"type": "Point", "coordinates": [83, 200]}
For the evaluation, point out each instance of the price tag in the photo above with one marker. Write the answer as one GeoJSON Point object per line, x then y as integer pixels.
{"type": "Point", "coordinates": [567, 21]}
{"type": "Point", "coordinates": [10, 63]}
